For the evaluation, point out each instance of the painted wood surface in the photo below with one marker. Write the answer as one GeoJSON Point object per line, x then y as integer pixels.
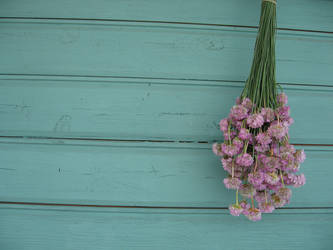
{"type": "Point", "coordinates": [116, 103]}
{"type": "Point", "coordinates": [161, 229]}
{"type": "Point", "coordinates": [158, 174]}
{"type": "Point", "coordinates": [81, 48]}
{"type": "Point", "coordinates": [141, 109]}
{"type": "Point", "coordinates": [296, 14]}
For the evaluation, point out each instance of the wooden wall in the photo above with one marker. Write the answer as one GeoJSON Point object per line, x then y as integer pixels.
{"type": "Point", "coordinates": [108, 110]}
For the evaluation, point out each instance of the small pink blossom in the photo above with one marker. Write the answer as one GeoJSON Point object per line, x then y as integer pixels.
{"type": "Point", "coordinates": [284, 112]}
{"type": "Point", "coordinates": [299, 180]}
{"type": "Point", "coordinates": [247, 103]}
{"type": "Point", "coordinates": [245, 160]}
{"type": "Point", "coordinates": [217, 149]}
{"type": "Point", "coordinates": [245, 207]}
{"type": "Point", "coordinates": [278, 201]}
{"type": "Point", "coordinates": [266, 207]}
{"type": "Point", "coordinates": [262, 148]}
{"type": "Point", "coordinates": [224, 123]}
{"type": "Point", "coordinates": [256, 178]}
{"type": "Point", "coordinates": [238, 112]}
{"type": "Point", "coordinates": [229, 150]}
{"type": "Point", "coordinates": [247, 190]}
{"type": "Point", "coordinates": [235, 209]}
{"type": "Point", "coordinates": [260, 197]}
{"type": "Point", "coordinates": [277, 130]}
{"type": "Point", "coordinates": [282, 99]}
{"type": "Point", "coordinates": [300, 156]}
{"type": "Point", "coordinates": [268, 114]}
{"type": "Point", "coordinates": [254, 214]}
{"type": "Point", "coordinates": [232, 183]}
{"type": "Point", "coordinates": [255, 120]}
{"type": "Point", "coordinates": [263, 139]}
{"type": "Point", "coordinates": [271, 178]}
{"type": "Point", "coordinates": [244, 134]}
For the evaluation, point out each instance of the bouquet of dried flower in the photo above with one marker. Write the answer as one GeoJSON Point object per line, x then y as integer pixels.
{"type": "Point", "coordinates": [256, 152]}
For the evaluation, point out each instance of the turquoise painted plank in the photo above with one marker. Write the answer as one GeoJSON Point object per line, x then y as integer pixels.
{"type": "Point", "coordinates": [314, 14]}
{"type": "Point", "coordinates": [136, 109]}
{"type": "Point", "coordinates": [38, 228]}
{"type": "Point", "coordinates": [156, 50]}
{"type": "Point", "coordinates": [154, 174]}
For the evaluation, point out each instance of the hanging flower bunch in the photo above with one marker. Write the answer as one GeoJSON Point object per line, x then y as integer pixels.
{"type": "Point", "coordinates": [258, 157]}
{"type": "Point", "coordinates": [256, 153]}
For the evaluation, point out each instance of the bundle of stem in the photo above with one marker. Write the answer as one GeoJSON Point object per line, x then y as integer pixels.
{"type": "Point", "coordinates": [261, 86]}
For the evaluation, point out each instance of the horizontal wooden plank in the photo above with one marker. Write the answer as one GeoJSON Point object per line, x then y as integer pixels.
{"type": "Point", "coordinates": [315, 15]}
{"type": "Point", "coordinates": [156, 50]}
{"type": "Point", "coordinates": [37, 228]}
{"type": "Point", "coordinates": [154, 174]}
{"type": "Point", "coordinates": [136, 109]}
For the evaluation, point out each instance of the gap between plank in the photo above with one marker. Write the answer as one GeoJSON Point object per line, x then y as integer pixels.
{"type": "Point", "coordinates": [150, 78]}
{"type": "Point", "coordinates": [133, 206]}
{"type": "Point", "coordinates": [133, 141]}
{"type": "Point", "coordinates": [161, 22]}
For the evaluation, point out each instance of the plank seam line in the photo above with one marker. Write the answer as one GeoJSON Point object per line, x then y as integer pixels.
{"type": "Point", "coordinates": [134, 206]}
{"type": "Point", "coordinates": [134, 141]}
{"type": "Point", "coordinates": [157, 78]}
{"type": "Point", "coordinates": [159, 22]}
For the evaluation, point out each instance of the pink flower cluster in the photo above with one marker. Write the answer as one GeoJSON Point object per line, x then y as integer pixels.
{"type": "Point", "coordinates": [258, 157]}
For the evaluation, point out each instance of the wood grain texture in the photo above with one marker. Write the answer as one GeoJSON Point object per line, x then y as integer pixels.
{"type": "Point", "coordinates": [156, 50]}
{"type": "Point", "coordinates": [136, 109]}
{"type": "Point", "coordinates": [114, 173]}
{"type": "Point", "coordinates": [297, 14]}
{"type": "Point", "coordinates": [88, 73]}
{"type": "Point", "coordinates": [53, 229]}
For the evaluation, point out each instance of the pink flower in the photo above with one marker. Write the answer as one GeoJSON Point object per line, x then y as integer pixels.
{"type": "Point", "coordinates": [271, 178]}
{"type": "Point", "coordinates": [247, 103]}
{"type": "Point", "coordinates": [255, 120]}
{"type": "Point", "coordinates": [300, 156]}
{"type": "Point", "coordinates": [299, 180]}
{"type": "Point", "coordinates": [247, 190]}
{"type": "Point", "coordinates": [232, 134]}
{"type": "Point", "coordinates": [277, 130]}
{"type": "Point", "coordinates": [254, 214]}
{"type": "Point", "coordinates": [235, 209]}
{"type": "Point", "coordinates": [260, 197]}
{"type": "Point", "coordinates": [217, 149]}
{"type": "Point", "coordinates": [238, 143]}
{"type": "Point", "coordinates": [282, 99]}
{"type": "Point", "coordinates": [256, 178]}
{"type": "Point", "coordinates": [263, 139]}
{"type": "Point", "coordinates": [237, 124]}
{"type": "Point", "coordinates": [224, 123]}
{"type": "Point", "coordinates": [232, 183]}
{"type": "Point", "coordinates": [284, 193]}
{"type": "Point", "coordinates": [229, 150]}
{"type": "Point", "coordinates": [266, 207]}
{"type": "Point", "coordinates": [278, 201]}
{"type": "Point", "coordinates": [287, 148]}
{"type": "Point", "coordinates": [245, 160]}
{"type": "Point", "coordinates": [287, 122]}
{"type": "Point", "coordinates": [268, 114]}
{"type": "Point", "coordinates": [284, 112]}
{"type": "Point", "coordinates": [245, 207]}
{"type": "Point", "coordinates": [227, 166]}
{"type": "Point", "coordinates": [227, 163]}
{"type": "Point", "coordinates": [262, 148]}
{"type": "Point", "coordinates": [238, 112]}
{"type": "Point", "coordinates": [270, 163]}
{"type": "Point", "coordinates": [244, 134]}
